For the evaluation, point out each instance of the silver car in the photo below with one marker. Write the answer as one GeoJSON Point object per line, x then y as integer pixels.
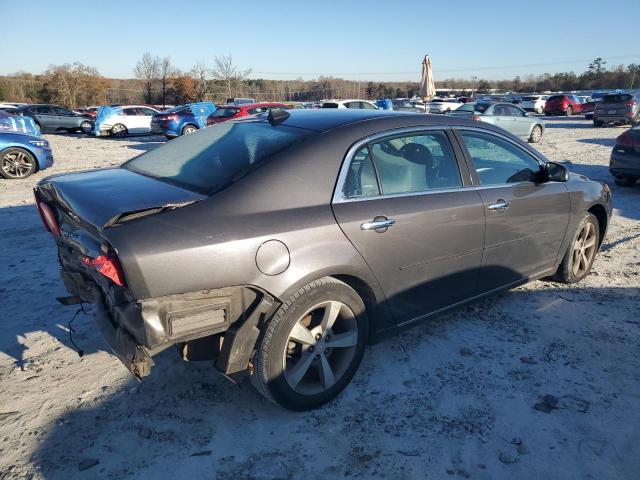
{"type": "Point", "coordinates": [505, 115]}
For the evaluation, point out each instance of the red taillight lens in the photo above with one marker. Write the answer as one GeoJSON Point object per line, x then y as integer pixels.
{"type": "Point", "coordinates": [476, 118]}
{"type": "Point", "coordinates": [631, 103]}
{"type": "Point", "coordinates": [624, 140]}
{"type": "Point", "coordinates": [169, 118]}
{"type": "Point", "coordinates": [107, 266]}
{"type": "Point", "coordinates": [48, 217]}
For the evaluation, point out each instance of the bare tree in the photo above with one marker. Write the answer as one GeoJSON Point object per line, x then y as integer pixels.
{"type": "Point", "coordinates": [199, 75]}
{"type": "Point", "coordinates": [230, 75]}
{"type": "Point", "coordinates": [147, 70]}
{"type": "Point", "coordinates": [165, 73]}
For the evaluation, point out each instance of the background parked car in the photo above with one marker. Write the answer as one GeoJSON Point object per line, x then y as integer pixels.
{"type": "Point", "coordinates": [120, 121]}
{"type": "Point", "coordinates": [407, 106]}
{"type": "Point", "coordinates": [625, 158]}
{"type": "Point", "coordinates": [351, 103]}
{"type": "Point", "coordinates": [563, 104]}
{"type": "Point", "coordinates": [182, 119]}
{"type": "Point", "coordinates": [22, 150]}
{"type": "Point", "coordinates": [533, 103]}
{"type": "Point", "coordinates": [240, 101]}
{"type": "Point", "coordinates": [89, 111]}
{"type": "Point", "coordinates": [53, 118]}
{"type": "Point", "coordinates": [230, 112]}
{"type": "Point", "coordinates": [590, 105]}
{"type": "Point", "coordinates": [617, 108]}
{"type": "Point", "coordinates": [443, 105]}
{"type": "Point", "coordinates": [505, 115]}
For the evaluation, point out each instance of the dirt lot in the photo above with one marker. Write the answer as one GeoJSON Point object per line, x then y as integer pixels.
{"type": "Point", "coordinates": [450, 398]}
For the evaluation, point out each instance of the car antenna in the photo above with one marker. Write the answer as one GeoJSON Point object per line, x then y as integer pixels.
{"type": "Point", "coordinates": [277, 116]}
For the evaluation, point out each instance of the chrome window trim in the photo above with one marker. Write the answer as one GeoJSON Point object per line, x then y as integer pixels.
{"type": "Point", "coordinates": [338, 196]}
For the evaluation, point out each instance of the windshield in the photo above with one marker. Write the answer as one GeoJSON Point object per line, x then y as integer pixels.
{"type": "Point", "coordinates": [329, 105]}
{"type": "Point", "coordinates": [218, 156]}
{"type": "Point", "coordinates": [473, 107]}
{"type": "Point", "coordinates": [224, 112]}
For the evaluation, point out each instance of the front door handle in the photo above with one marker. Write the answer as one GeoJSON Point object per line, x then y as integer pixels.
{"type": "Point", "coordinates": [378, 223]}
{"type": "Point", "coordinates": [500, 205]}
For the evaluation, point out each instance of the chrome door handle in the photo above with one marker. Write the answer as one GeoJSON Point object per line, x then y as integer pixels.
{"type": "Point", "coordinates": [498, 206]}
{"type": "Point", "coordinates": [376, 224]}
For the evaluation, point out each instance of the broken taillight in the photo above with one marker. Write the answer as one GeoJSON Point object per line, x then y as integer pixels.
{"type": "Point", "coordinates": [107, 266]}
{"type": "Point", "coordinates": [48, 217]}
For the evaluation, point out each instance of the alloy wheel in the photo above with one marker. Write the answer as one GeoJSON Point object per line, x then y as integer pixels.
{"type": "Point", "coordinates": [584, 249]}
{"type": "Point", "coordinates": [536, 134]}
{"type": "Point", "coordinates": [320, 348]}
{"type": "Point", "coordinates": [17, 164]}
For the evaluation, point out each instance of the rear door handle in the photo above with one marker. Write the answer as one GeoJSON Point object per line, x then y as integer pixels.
{"type": "Point", "coordinates": [498, 206]}
{"type": "Point", "coordinates": [378, 223]}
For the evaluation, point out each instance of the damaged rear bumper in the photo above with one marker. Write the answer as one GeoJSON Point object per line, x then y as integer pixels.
{"type": "Point", "coordinates": [220, 324]}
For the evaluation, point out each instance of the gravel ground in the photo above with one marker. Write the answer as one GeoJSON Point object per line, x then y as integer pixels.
{"type": "Point", "coordinates": [453, 397]}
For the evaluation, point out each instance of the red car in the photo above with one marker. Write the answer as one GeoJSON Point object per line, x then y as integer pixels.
{"type": "Point", "coordinates": [229, 112]}
{"type": "Point", "coordinates": [564, 104]}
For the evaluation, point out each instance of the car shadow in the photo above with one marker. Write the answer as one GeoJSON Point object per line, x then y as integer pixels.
{"type": "Point", "coordinates": [607, 142]}
{"type": "Point", "coordinates": [38, 263]}
{"type": "Point", "coordinates": [185, 421]}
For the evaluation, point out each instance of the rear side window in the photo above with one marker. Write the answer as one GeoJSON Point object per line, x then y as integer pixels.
{"type": "Point", "coordinates": [218, 156]}
{"type": "Point", "coordinates": [498, 161]}
{"type": "Point", "coordinates": [224, 112]}
{"type": "Point", "coordinates": [415, 163]}
{"type": "Point", "coordinates": [361, 178]}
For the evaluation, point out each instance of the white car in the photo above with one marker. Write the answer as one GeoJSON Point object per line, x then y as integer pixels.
{"type": "Point", "coordinates": [534, 103]}
{"type": "Point", "coordinates": [352, 103]}
{"type": "Point", "coordinates": [444, 105]}
{"type": "Point", "coordinates": [124, 120]}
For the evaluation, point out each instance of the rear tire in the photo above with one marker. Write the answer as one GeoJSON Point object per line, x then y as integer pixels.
{"type": "Point", "coordinates": [189, 129]}
{"type": "Point", "coordinates": [598, 123]}
{"type": "Point", "coordinates": [312, 346]}
{"type": "Point", "coordinates": [536, 134]}
{"type": "Point", "coordinates": [539, 111]}
{"type": "Point", "coordinates": [569, 111]}
{"type": "Point", "coordinates": [118, 131]}
{"type": "Point", "coordinates": [17, 163]}
{"type": "Point", "coordinates": [625, 181]}
{"type": "Point", "coordinates": [578, 259]}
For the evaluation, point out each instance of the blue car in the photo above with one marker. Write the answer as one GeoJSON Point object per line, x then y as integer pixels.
{"type": "Point", "coordinates": [22, 150]}
{"type": "Point", "coordinates": [182, 119]}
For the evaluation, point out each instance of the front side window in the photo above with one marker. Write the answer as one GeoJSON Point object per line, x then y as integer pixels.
{"type": "Point", "coordinates": [499, 161]}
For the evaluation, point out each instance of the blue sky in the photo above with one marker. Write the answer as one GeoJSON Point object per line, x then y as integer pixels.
{"type": "Point", "coordinates": [363, 40]}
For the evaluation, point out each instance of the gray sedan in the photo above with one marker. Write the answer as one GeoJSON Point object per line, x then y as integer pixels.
{"type": "Point", "coordinates": [279, 246]}
{"type": "Point", "coordinates": [504, 115]}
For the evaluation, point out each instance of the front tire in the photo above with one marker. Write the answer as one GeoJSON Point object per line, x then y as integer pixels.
{"type": "Point", "coordinates": [86, 127]}
{"type": "Point", "coordinates": [17, 163]}
{"type": "Point", "coordinates": [312, 346]}
{"type": "Point", "coordinates": [536, 134]}
{"type": "Point", "coordinates": [578, 259]}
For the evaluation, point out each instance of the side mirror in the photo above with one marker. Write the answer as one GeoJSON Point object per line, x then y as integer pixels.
{"type": "Point", "coordinates": [554, 172]}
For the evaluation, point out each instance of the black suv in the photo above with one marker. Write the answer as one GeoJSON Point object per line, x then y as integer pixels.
{"type": "Point", "coordinates": [53, 118]}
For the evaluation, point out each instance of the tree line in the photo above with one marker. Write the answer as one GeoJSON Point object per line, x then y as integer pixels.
{"type": "Point", "coordinates": [157, 82]}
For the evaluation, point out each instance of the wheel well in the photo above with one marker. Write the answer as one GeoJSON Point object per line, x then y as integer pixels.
{"type": "Point", "coordinates": [365, 292]}
{"type": "Point", "coordinates": [601, 214]}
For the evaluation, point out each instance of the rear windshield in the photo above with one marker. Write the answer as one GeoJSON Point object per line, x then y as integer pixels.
{"type": "Point", "coordinates": [617, 98]}
{"type": "Point", "coordinates": [224, 112]}
{"type": "Point", "coordinates": [329, 105]}
{"type": "Point", "coordinates": [556, 97]}
{"type": "Point", "coordinates": [213, 158]}
{"type": "Point", "coordinates": [530, 99]}
{"type": "Point", "coordinates": [177, 109]}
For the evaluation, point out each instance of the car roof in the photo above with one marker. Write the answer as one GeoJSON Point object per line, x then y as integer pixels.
{"type": "Point", "coordinates": [324, 120]}
{"type": "Point", "coordinates": [259, 104]}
